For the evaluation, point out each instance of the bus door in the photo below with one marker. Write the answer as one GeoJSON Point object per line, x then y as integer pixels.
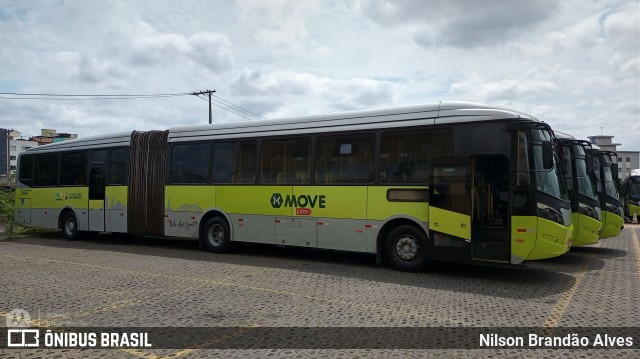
{"type": "Point", "coordinates": [490, 229]}
{"type": "Point", "coordinates": [450, 201]}
{"type": "Point", "coordinates": [96, 198]}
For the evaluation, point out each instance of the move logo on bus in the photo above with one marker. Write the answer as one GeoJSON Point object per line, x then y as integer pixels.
{"type": "Point", "coordinates": [302, 202]}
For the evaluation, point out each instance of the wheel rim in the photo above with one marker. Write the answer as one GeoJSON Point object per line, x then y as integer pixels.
{"type": "Point", "coordinates": [216, 235]}
{"type": "Point", "coordinates": [70, 225]}
{"type": "Point", "coordinates": [407, 247]}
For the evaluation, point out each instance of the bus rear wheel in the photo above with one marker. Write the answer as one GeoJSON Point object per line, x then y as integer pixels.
{"type": "Point", "coordinates": [69, 226]}
{"type": "Point", "coordinates": [216, 236]}
{"type": "Point", "coordinates": [406, 249]}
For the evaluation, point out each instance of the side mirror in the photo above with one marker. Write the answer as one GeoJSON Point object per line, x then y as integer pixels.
{"type": "Point", "coordinates": [547, 155]}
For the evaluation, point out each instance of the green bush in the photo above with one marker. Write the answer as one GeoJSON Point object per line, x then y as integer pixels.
{"type": "Point", "coordinates": [7, 214]}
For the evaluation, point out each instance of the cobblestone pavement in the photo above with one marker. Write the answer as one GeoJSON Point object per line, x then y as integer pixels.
{"type": "Point", "coordinates": [114, 281]}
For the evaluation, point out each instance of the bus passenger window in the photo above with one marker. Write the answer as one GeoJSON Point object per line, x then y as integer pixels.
{"type": "Point", "coordinates": [234, 162]}
{"type": "Point", "coordinates": [118, 167]}
{"type": "Point", "coordinates": [73, 167]}
{"type": "Point", "coordinates": [345, 159]}
{"type": "Point", "coordinates": [405, 156]}
{"type": "Point", "coordinates": [26, 169]}
{"type": "Point", "coordinates": [190, 163]}
{"type": "Point", "coordinates": [285, 161]}
{"type": "Point", "coordinates": [46, 171]}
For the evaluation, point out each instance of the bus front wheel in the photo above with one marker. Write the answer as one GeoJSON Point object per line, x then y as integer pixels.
{"type": "Point", "coordinates": [70, 226]}
{"type": "Point", "coordinates": [216, 235]}
{"type": "Point", "coordinates": [406, 248]}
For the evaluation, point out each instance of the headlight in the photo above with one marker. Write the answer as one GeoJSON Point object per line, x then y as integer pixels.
{"type": "Point", "coordinates": [549, 213]}
{"type": "Point", "coordinates": [615, 210]}
{"type": "Point", "coordinates": [588, 211]}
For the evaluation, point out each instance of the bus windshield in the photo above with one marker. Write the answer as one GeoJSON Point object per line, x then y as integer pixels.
{"type": "Point", "coordinates": [582, 179]}
{"type": "Point", "coordinates": [547, 181]}
{"type": "Point", "coordinates": [609, 185]}
{"type": "Point", "coordinates": [634, 188]}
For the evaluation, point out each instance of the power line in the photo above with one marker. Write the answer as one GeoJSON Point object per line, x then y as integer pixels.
{"type": "Point", "coordinates": [53, 96]}
{"type": "Point", "coordinates": [240, 108]}
{"type": "Point", "coordinates": [230, 109]}
{"type": "Point", "coordinates": [214, 100]}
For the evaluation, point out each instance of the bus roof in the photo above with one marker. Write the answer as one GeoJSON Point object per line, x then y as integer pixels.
{"type": "Point", "coordinates": [429, 114]}
{"type": "Point", "coordinates": [108, 140]}
{"type": "Point", "coordinates": [563, 136]}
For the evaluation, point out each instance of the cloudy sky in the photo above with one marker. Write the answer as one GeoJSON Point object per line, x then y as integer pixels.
{"type": "Point", "coordinates": [572, 63]}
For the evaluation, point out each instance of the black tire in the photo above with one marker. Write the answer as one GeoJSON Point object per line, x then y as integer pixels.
{"type": "Point", "coordinates": [69, 226]}
{"type": "Point", "coordinates": [406, 249]}
{"type": "Point", "coordinates": [216, 236]}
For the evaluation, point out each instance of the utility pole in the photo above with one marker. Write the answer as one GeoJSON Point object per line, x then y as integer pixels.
{"type": "Point", "coordinates": [208, 92]}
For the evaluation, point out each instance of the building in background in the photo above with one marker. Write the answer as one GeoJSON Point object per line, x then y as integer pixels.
{"type": "Point", "coordinates": [50, 136]}
{"type": "Point", "coordinates": [5, 179]}
{"type": "Point", "coordinates": [627, 160]}
{"type": "Point", "coordinates": [12, 143]}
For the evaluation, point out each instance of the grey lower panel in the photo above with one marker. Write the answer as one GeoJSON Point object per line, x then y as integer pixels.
{"type": "Point", "coordinates": [345, 234]}
{"type": "Point", "coordinates": [182, 224]}
{"type": "Point", "coordinates": [253, 228]}
{"type": "Point", "coordinates": [327, 233]}
{"type": "Point", "coordinates": [48, 218]}
{"type": "Point", "coordinates": [116, 220]}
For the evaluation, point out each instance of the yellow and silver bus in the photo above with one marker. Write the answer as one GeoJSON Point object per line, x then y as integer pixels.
{"type": "Point", "coordinates": [585, 205]}
{"type": "Point", "coordinates": [631, 194]}
{"type": "Point", "coordinates": [453, 181]}
{"type": "Point", "coordinates": [603, 173]}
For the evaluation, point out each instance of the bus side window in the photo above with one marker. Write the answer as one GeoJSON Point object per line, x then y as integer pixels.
{"type": "Point", "coordinates": [73, 167]}
{"type": "Point", "coordinates": [190, 163]}
{"type": "Point", "coordinates": [26, 169]}
{"type": "Point", "coordinates": [405, 156]}
{"type": "Point", "coordinates": [46, 170]}
{"type": "Point", "coordinates": [118, 166]}
{"type": "Point", "coordinates": [345, 159]}
{"type": "Point", "coordinates": [285, 161]}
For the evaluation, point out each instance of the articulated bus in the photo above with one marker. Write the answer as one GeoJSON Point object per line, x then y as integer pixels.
{"type": "Point", "coordinates": [453, 181]}
{"type": "Point", "coordinates": [585, 205]}
{"type": "Point", "coordinates": [631, 194]}
{"type": "Point", "coordinates": [603, 173]}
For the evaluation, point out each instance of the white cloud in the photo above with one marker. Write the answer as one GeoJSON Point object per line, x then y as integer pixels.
{"type": "Point", "coordinates": [573, 63]}
{"type": "Point", "coordinates": [310, 94]}
{"type": "Point", "coordinates": [281, 24]}
{"type": "Point", "coordinates": [462, 23]}
{"type": "Point", "coordinates": [502, 91]}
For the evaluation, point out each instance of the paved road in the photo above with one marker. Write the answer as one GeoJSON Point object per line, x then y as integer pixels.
{"type": "Point", "coordinates": [109, 281]}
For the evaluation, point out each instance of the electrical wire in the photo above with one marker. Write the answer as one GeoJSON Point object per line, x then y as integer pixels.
{"type": "Point", "coordinates": [215, 100]}
{"type": "Point", "coordinates": [230, 109]}
{"type": "Point", "coordinates": [240, 108]}
{"type": "Point", "coordinates": [50, 96]}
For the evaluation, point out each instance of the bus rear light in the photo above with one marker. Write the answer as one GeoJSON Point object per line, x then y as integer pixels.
{"type": "Point", "coordinates": [520, 240]}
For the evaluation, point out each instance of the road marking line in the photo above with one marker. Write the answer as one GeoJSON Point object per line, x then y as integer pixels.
{"type": "Point", "coordinates": [636, 247]}
{"type": "Point", "coordinates": [563, 303]}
